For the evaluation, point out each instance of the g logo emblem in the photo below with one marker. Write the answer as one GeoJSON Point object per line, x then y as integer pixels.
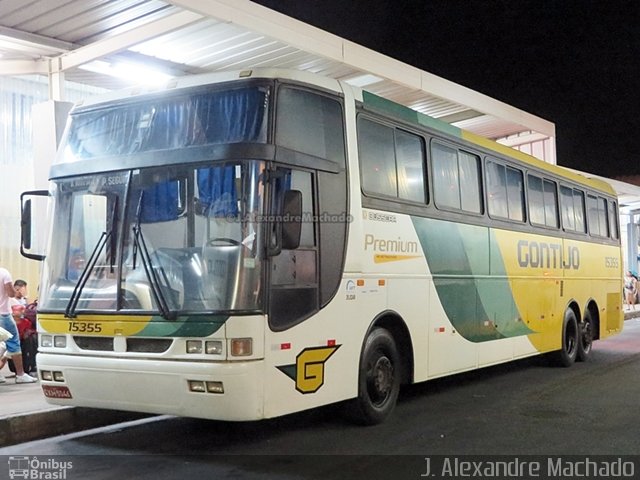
{"type": "Point", "coordinates": [308, 371]}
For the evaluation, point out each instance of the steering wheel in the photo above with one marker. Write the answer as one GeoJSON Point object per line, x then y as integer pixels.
{"type": "Point", "coordinates": [230, 241]}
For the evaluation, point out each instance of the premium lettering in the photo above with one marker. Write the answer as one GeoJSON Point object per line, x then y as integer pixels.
{"type": "Point", "coordinates": [386, 245]}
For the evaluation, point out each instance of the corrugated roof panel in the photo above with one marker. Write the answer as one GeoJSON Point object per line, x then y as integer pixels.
{"type": "Point", "coordinates": [197, 44]}
{"type": "Point", "coordinates": [55, 22]}
{"type": "Point", "coordinates": [117, 17]}
{"type": "Point", "coordinates": [332, 69]}
{"type": "Point", "coordinates": [26, 12]}
{"type": "Point", "coordinates": [488, 126]}
{"type": "Point", "coordinates": [277, 57]}
{"type": "Point", "coordinates": [249, 55]}
{"type": "Point", "coordinates": [9, 7]}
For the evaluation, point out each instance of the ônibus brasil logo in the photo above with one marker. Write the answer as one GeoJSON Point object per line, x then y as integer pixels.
{"type": "Point", "coordinates": [38, 468]}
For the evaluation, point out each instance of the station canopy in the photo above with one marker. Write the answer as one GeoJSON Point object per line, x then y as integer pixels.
{"type": "Point", "coordinates": [101, 42]}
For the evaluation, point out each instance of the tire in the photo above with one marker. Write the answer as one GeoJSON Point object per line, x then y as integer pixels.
{"type": "Point", "coordinates": [378, 380]}
{"type": "Point", "coordinates": [566, 356]}
{"type": "Point", "coordinates": [585, 331]}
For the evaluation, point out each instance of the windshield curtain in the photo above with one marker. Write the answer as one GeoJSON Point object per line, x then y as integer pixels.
{"type": "Point", "coordinates": [194, 118]}
{"type": "Point", "coordinates": [184, 239]}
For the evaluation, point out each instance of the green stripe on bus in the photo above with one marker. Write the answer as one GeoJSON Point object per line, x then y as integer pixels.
{"type": "Point", "coordinates": [469, 277]}
{"type": "Point", "coordinates": [407, 114]}
{"type": "Point", "coordinates": [200, 326]}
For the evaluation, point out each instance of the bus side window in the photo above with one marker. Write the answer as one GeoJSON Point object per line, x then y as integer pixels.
{"type": "Point", "coordinates": [613, 221]}
{"type": "Point", "coordinates": [456, 179]}
{"type": "Point", "coordinates": [572, 203]}
{"type": "Point", "coordinates": [543, 201]}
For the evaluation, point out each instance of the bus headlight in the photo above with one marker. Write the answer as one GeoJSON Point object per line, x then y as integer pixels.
{"type": "Point", "coordinates": [215, 387]}
{"type": "Point", "coordinates": [213, 347]}
{"type": "Point", "coordinates": [194, 346]}
{"type": "Point", "coordinates": [60, 341]}
{"type": "Point", "coordinates": [46, 341]}
{"type": "Point", "coordinates": [197, 386]}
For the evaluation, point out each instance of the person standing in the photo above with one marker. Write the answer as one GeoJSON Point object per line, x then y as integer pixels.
{"type": "Point", "coordinates": [630, 289]}
{"type": "Point", "coordinates": [7, 292]}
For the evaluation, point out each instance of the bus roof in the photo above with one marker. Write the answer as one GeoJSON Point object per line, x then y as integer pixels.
{"type": "Point", "coordinates": [411, 116]}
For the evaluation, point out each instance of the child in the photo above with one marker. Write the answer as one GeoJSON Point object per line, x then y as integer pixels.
{"type": "Point", "coordinates": [28, 339]}
{"type": "Point", "coordinates": [24, 325]}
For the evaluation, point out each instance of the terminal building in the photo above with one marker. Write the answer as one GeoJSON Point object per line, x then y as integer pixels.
{"type": "Point", "coordinates": [52, 56]}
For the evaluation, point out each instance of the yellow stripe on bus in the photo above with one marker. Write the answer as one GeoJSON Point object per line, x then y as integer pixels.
{"type": "Point", "coordinates": [546, 273]}
{"type": "Point", "coordinates": [100, 325]}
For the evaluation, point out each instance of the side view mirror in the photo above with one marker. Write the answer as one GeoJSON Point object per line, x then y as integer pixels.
{"type": "Point", "coordinates": [26, 224]}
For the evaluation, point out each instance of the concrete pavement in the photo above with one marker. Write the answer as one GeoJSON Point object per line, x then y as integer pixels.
{"type": "Point", "coordinates": [25, 415]}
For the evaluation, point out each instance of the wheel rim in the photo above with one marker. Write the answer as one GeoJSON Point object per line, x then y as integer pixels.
{"type": "Point", "coordinates": [587, 337]}
{"type": "Point", "coordinates": [380, 380]}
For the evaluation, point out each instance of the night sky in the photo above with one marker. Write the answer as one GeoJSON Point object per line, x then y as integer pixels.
{"type": "Point", "coordinates": [575, 63]}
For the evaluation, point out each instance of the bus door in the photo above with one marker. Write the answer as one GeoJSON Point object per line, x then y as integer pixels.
{"type": "Point", "coordinates": [292, 247]}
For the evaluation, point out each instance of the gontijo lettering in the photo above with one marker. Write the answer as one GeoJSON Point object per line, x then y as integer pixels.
{"type": "Point", "coordinates": [547, 255]}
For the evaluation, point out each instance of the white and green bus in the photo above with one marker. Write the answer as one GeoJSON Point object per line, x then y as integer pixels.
{"type": "Point", "coordinates": [245, 245]}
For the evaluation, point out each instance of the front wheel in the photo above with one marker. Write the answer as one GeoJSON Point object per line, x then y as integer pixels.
{"type": "Point", "coordinates": [566, 356]}
{"type": "Point", "coordinates": [378, 379]}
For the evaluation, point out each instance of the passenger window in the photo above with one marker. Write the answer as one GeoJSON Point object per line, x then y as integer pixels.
{"type": "Point", "coordinates": [505, 192]}
{"type": "Point", "coordinates": [446, 183]}
{"type": "Point", "coordinates": [456, 179]}
{"type": "Point", "coordinates": [550, 204]}
{"type": "Point", "coordinates": [497, 190]}
{"type": "Point", "coordinates": [391, 161]}
{"type": "Point", "coordinates": [613, 221]}
{"type": "Point", "coordinates": [470, 182]}
{"type": "Point", "coordinates": [410, 166]}
{"type": "Point", "coordinates": [597, 211]}
{"type": "Point", "coordinates": [572, 204]}
{"type": "Point", "coordinates": [377, 158]}
{"type": "Point", "coordinates": [543, 201]}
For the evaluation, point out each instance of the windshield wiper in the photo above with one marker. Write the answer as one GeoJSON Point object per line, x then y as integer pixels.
{"type": "Point", "coordinates": [114, 238]}
{"type": "Point", "coordinates": [70, 311]}
{"type": "Point", "coordinates": [139, 245]}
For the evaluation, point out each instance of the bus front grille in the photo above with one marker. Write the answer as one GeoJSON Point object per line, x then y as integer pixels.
{"type": "Point", "coordinates": [139, 345]}
{"type": "Point", "coordinates": [102, 344]}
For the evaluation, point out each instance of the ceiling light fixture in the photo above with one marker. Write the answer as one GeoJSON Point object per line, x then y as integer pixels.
{"type": "Point", "coordinates": [130, 72]}
{"type": "Point", "coordinates": [363, 80]}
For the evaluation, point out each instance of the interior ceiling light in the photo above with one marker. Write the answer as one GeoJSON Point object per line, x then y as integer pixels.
{"type": "Point", "coordinates": [130, 72]}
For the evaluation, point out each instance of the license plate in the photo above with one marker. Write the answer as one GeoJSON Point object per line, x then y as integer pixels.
{"type": "Point", "coordinates": [56, 391]}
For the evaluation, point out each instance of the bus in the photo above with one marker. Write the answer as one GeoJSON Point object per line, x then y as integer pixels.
{"type": "Point", "coordinates": [245, 245]}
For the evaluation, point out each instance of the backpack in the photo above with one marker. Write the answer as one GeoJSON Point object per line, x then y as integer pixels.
{"type": "Point", "coordinates": [30, 312]}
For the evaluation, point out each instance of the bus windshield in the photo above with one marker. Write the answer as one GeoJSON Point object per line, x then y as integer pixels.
{"type": "Point", "coordinates": [183, 239]}
{"type": "Point", "coordinates": [180, 121]}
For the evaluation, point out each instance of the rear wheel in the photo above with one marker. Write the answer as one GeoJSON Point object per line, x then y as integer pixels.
{"type": "Point", "coordinates": [378, 379]}
{"type": "Point", "coordinates": [566, 356]}
{"type": "Point", "coordinates": [586, 330]}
